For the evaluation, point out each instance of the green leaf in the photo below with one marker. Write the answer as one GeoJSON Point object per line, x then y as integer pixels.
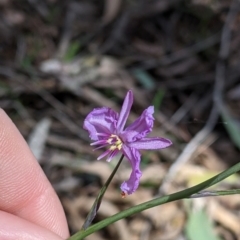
{"type": "Point", "coordinates": [27, 62]}
{"type": "Point", "coordinates": [231, 126]}
{"type": "Point", "coordinates": [199, 227]}
{"type": "Point", "coordinates": [72, 51]}
{"type": "Point", "coordinates": [155, 202]}
{"type": "Point", "coordinates": [157, 100]}
{"type": "Point", "coordinates": [144, 78]}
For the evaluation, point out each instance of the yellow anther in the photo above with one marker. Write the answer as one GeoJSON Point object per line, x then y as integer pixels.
{"type": "Point", "coordinates": [115, 142]}
{"type": "Point", "coordinates": [113, 147]}
{"type": "Point", "coordinates": [119, 146]}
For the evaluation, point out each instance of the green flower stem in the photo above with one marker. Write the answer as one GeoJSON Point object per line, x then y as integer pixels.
{"type": "Point", "coordinates": [155, 202]}
{"type": "Point", "coordinates": [215, 193]}
{"type": "Point", "coordinates": [92, 213]}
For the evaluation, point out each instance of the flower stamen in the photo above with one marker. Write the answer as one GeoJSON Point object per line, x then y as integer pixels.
{"type": "Point", "coordinates": [115, 141]}
{"type": "Point", "coordinates": [115, 145]}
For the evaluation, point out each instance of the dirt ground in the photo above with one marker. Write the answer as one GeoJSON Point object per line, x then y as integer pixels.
{"type": "Point", "coordinates": [60, 59]}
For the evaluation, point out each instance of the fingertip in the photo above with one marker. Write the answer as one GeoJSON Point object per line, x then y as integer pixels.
{"type": "Point", "coordinates": [24, 188]}
{"type": "Point", "coordinates": [13, 227]}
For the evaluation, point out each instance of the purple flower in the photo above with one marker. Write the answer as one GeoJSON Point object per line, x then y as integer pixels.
{"type": "Point", "coordinates": [106, 129]}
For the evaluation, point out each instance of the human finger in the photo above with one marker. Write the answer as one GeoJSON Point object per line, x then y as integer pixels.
{"type": "Point", "coordinates": [13, 227]}
{"type": "Point", "coordinates": [24, 188]}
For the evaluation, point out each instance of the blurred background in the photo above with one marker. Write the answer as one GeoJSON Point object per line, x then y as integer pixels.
{"type": "Point", "coordinates": [60, 59]}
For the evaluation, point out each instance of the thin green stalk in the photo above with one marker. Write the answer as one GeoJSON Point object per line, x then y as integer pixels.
{"type": "Point", "coordinates": [155, 202]}
{"type": "Point", "coordinates": [215, 193]}
{"type": "Point", "coordinates": [92, 213]}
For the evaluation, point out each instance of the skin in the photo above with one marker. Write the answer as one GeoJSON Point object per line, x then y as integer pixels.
{"type": "Point", "coordinates": [29, 207]}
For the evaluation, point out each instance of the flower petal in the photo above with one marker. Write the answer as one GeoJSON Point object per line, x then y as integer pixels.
{"type": "Point", "coordinates": [112, 155]}
{"type": "Point", "coordinates": [134, 157]}
{"type": "Point", "coordinates": [151, 143]}
{"type": "Point", "coordinates": [126, 107]}
{"type": "Point", "coordinates": [101, 121]}
{"type": "Point", "coordinates": [140, 127]}
{"type": "Point", "coordinates": [104, 154]}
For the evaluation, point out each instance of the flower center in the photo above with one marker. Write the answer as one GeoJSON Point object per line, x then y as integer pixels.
{"type": "Point", "coordinates": [115, 142]}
